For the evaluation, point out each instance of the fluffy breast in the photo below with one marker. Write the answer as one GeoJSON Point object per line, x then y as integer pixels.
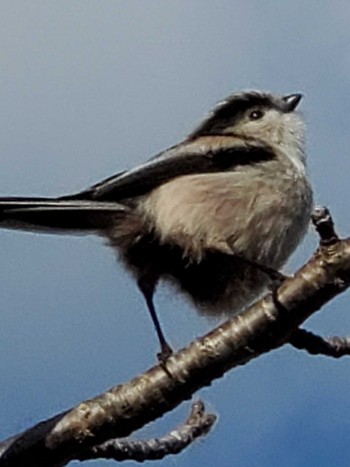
{"type": "Point", "coordinates": [245, 211]}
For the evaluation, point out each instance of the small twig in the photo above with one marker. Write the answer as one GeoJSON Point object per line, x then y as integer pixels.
{"type": "Point", "coordinates": [324, 225]}
{"type": "Point", "coordinates": [198, 424]}
{"type": "Point", "coordinates": [335, 346]}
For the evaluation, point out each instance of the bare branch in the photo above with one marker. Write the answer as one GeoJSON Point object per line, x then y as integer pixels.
{"type": "Point", "coordinates": [324, 225]}
{"type": "Point", "coordinates": [335, 346]}
{"type": "Point", "coordinates": [267, 324]}
{"type": "Point", "coordinates": [198, 424]}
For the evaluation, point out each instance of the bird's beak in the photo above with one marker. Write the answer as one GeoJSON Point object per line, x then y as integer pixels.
{"type": "Point", "coordinates": [290, 102]}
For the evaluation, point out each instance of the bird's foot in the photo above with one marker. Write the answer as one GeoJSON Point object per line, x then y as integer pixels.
{"type": "Point", "coordinates": [165, 352]}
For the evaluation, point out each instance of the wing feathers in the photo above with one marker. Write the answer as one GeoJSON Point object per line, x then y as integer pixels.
{"type": "Point", "coordinates": [98, 207]}
{"type": "Point", "coordinates": [46, 215]}
{"type": "Point", "coordinates": [223, 153]}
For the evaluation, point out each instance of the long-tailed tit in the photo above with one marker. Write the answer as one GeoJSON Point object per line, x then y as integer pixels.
{"type": "Point", "coordinates": [207, 215]}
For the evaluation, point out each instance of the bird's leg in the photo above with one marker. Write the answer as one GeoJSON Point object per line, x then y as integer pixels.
{"type": "Point", "coordinates": [276, 277]}
{"type": "Point", "coordinates": [147, 289]}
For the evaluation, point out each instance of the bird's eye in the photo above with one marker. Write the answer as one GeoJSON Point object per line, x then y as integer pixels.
{"type": "Point", "coordinates": [256, 114]}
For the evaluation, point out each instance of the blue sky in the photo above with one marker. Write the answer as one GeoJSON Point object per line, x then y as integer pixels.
{"type": "Point", "coordinates": [89, 88]}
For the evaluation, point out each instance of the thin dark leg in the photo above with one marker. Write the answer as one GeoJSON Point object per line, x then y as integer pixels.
{"type": "Point", "coordinates": [148, 292]}
{"type": "Point", "coordinates": [273, 274]}
{"type": "Point", "coordinates": [277, 278]}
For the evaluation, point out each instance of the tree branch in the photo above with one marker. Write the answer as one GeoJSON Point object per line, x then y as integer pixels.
{"type": "Point", "coordinates": [268, 324]}
{"type": "Point", "coordinates": [198, 424]}
{"type": "Point", "coordinates": [335, 346]}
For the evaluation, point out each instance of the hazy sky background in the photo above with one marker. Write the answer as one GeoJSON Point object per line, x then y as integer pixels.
{"type": "Point", "coordinates": [89, 88]}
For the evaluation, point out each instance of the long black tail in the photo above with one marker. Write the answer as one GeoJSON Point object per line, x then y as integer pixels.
{"type": "Point", "coordinates": [55, 215]}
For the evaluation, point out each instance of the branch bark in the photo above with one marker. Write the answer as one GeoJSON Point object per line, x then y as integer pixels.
{"type": "Point", "coordinates": [198, 424]}
{"type": "Point", "coordinates": [266, 325]}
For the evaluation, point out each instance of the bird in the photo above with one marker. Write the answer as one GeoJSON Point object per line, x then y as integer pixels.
{"type": "Point", "coordinates": [214, 216]}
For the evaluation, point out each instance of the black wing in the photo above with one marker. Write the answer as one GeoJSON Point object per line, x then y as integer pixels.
{"type": "Point", "coordinates": [184, 159]}
{"type": "Point", "coordinates": [97, 207]}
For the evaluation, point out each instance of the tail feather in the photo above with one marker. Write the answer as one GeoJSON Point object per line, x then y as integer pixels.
{"type": "Point", "coordinates": [58, 215]}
